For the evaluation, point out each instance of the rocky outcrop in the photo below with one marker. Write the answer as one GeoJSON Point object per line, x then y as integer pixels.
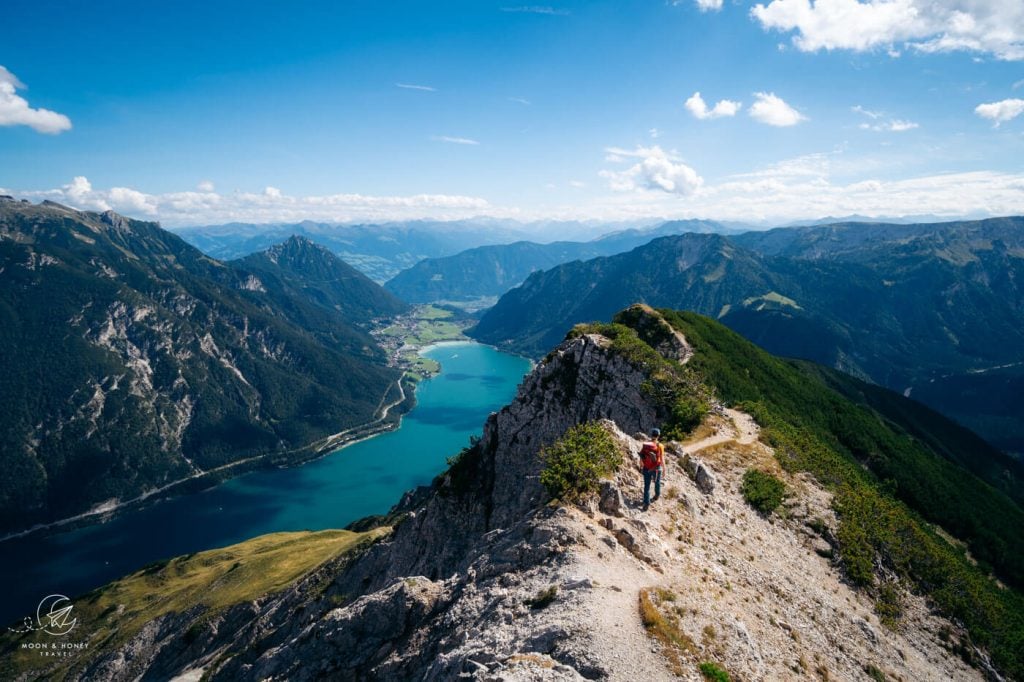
{"type": "Point", "coordinates": [483, 579]}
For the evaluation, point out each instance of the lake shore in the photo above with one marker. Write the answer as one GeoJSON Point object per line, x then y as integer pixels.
{"type": "Point", "coordinates": [365, 478]}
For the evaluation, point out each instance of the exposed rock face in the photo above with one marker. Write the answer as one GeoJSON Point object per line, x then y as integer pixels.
{"type": "Point", "coordinates": [483, 580]}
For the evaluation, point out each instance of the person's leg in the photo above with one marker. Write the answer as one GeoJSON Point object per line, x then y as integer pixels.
{"type": "Point", "coordinates": [657, 483]}
{"type": "Point", "coordinates": [647, 487]}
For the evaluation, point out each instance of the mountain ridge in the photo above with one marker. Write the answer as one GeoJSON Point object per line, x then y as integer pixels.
{"type": "Point", "coordinates": [134, 360]}
{"type": "Point", "coordinates": [484, 575]}
{"type": "Point", "coordinates": [931, 302]}
{"type": "Point", "coordinates": [489, 271]}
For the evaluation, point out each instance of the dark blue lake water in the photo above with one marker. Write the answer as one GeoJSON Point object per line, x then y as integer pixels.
{"type": "Point", "coordinates": [362, 479]}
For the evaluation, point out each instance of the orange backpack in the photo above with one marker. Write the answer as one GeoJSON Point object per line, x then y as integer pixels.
{"type": "Point", "coordinates": [649, 455]}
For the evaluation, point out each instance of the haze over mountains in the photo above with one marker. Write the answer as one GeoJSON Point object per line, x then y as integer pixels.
{"type": "Point", "coordinates": [489, 271]}
{"type": "Point", "coordinates": [382, 250]}
{"type": "Point", "coordinates": [132, 360]}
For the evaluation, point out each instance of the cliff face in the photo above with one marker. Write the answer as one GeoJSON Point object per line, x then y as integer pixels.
{"type": "Point", "coordinates": [482, 578]}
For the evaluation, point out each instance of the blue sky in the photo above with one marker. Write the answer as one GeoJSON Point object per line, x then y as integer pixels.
{"type": "Point", "coordinates": [196, 113]}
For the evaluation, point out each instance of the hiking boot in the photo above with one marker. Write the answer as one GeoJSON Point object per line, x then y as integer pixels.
{"type": "Point", "coordinates": [655, 498]}
{"type": "Point", "coordinates": [644, 508]}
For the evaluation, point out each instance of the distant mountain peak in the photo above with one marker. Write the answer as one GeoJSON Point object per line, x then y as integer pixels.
{"type": "Point", "coordinates": [322, 274]}
{"type": "Point", "coordinates": [300, 248]}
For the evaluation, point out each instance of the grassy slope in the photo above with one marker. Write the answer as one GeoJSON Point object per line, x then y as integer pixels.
{"type": "Point", "coordinates": [212, 581]}
{"type": "Point", "coordinates": [884, 481]}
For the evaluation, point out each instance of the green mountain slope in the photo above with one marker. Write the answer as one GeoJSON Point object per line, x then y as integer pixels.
{"type": "Point", "coordinates": [490, 271]}
{"type": "Point", "coordinates": [889, 484]}
{"type": "Point", "coordinates": [704, 270]}
{"type": "Point", "coordinates": [985, 401]}
{"type": "Point", "coordinates": [490, 522]}
{"type": "Point", "coordinates": [486, 271]}
{"type": "Point", "coordinates": [324, 278]}
{"type": "Point", "coordinates": [865, 242]}
{"type": "Point", "coordinates": [131, 360]}
{"type": "Point", "coordinates": [901, 313]}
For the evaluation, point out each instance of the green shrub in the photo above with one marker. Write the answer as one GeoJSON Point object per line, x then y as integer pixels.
{"type": "Point", "coordinates": [889, 605]}
{"type": "Point", "coordinates": [462, 470]}
{"type": "Point", "coordinates": [762, 491]}
{"type": "Point", "coordinates": [578, 460]}
{"type": "Point", "coordinates": [686, 414]}
{"type": "Point", "coordinates": [625, 342]}
{"type": "Point", "coordinates": [712, 671]}
{"type": "Point", "coordinates": [543, 598]}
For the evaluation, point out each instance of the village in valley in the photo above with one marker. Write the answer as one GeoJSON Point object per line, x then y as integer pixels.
{"type": "Point", "coordinates": [405, 336]}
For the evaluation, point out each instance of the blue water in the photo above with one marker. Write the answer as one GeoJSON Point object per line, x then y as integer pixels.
{"type": "Point", "coordinates": [362, 479]}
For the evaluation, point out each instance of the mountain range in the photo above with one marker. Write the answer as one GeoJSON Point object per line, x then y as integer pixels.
{"type": "Point", "coordinates": [133, 361]}
{"type": "Point", "coordinates": [482, 274]}
{"type": "Point", "coordinates": [801, 534]}
{"type": "Point", "coordinates": [901, 306]}
{"type": "Point", "coordinates": [382, 250]}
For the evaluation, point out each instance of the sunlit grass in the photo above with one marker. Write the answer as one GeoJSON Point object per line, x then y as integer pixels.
{"type": "Point", "coordinates": [206, 582]}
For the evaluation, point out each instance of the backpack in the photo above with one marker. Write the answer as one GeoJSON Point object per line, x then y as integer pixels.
{"type": "Point", "coordinates": [649, 456]}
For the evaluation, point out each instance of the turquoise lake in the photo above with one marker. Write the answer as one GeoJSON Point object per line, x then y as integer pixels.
{"type": "Point", "coordinates": [363, 479]}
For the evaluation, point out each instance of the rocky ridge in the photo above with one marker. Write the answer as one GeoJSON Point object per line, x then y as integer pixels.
{"type": "Point", "coordinates": [483, 578]}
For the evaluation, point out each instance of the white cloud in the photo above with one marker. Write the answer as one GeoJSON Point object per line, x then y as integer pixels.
{"type": "Point", "coordinates": [892, 125]}
{"type": "Point", "coordinates": [537, 9]}
{"type": "Point", "coordinates": [867, 112]}
{"type": "Point", "coordinates": [696, 106]}
{"type": "Point", "coordinates": [578, 184]}
{"type": "Point", "coordinates": [15, 110]}
{"type": "Point", "coordinates": [702, 5]}
{"type": "Point", "coordinates": [806, 187]}
{"type": "Point", "coordinates": [802, 187]}
{"type": "Point", "coordinates": [520, 100]}
{"type": "Point", "coordinates": [709, 5]}
{"type": "Point", "coordinates": [131, 201]}
{"type": "Point", "coordinates": [205, 186]}
{"type": "Point", "coordinates": [898, 126]}
{"type": "Point", "coordinates": [815, 195]}
{"type": "Point", "coordinates": [774, 111]}
{"type": "Point", "coordinates": [988, 26]}
{"type": "Point", "coordinates": [816, 166]}
{"type": "Point", "coordinates": [270, 205]}
{"type": "Point", "coordinates": [413, 86]}
{"type": "Point", "coordinates": [654, 133]}
{"type": "Point", "coordinates": [1002, 111]}
{"type": "Point", "coordinates": [1018, 84]}
{"type": "Point", "coordinates": [655, 170]}
{"type": "Point", "coordinates": [454, 140]}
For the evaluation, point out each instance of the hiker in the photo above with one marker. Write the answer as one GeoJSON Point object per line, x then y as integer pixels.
{"type": "Point", "coordinates": [652, 462]}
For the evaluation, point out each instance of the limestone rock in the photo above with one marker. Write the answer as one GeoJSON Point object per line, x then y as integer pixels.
{"type": "Point", "coordinates": [699, 472]}
{"type": "Point", "coordinates": [611, 499]}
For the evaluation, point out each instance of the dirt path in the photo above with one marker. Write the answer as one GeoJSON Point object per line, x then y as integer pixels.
{"type": "Point", "coordinates": [743, 430]}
